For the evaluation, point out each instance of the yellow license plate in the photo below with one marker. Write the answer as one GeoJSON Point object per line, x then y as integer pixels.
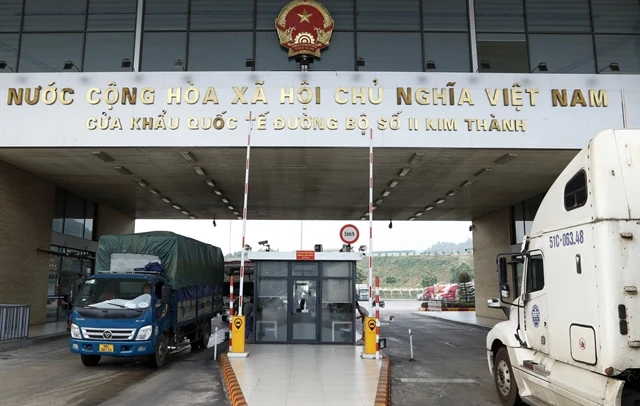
{"type": "Point", "coordinates": [106, 348]}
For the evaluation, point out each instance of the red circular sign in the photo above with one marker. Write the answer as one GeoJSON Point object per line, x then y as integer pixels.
{"type": "Point", "coordinates": [349, 234]}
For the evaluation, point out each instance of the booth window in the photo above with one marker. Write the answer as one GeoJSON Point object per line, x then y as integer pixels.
{"type": "Point", "coordinates": [575, 192]}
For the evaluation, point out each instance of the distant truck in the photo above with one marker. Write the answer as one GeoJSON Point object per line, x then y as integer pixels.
{"type": "Point", "coordinates": [151, 292]}
{"type": "Point", "coordinates": [573, 333]}
{"type": "Point", "coordinates": [362, 292]}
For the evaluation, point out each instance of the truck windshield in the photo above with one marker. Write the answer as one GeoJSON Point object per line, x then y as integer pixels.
{"type": "Point", "coordinates": [115, 293]}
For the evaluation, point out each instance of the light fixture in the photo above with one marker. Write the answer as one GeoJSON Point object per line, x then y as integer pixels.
{"type": "Point", "coordinates": [404, 172]}
{"type": "Point", "coordinates": [363, 218]}
{"type": "Point", "coordinates": [102, 156]}
{"type": "Point", "coordinates": [379, 201]}
{"type": "Point", "coordinates": [359, 63]}
{"type": "Point", "coordinates": [467, 183]}
{"type": "Point", "coordinates": [140, 182]}
{"type": "Point", "coordinates": [175, 206]}
{"type": "Point", "coordinates": [411, 218]}
{"type": "Point", "coordinates": [542, 67]}
{"type": "Point", "coordinates": [613, 66]}
{"type": "Point", "coordinates": [218, 192]}
{"type": "Point", "coordinates": [431, 65]}
{"type": "Point", "coordinates": [210, 182]}
{"type": "Point", "coordinates": [418, 214]}
{"type": "Point", "coordinates": [239, 218]}
{"type": "Point", "coordinates": [451, 193]}
{"type": "Point", "coordinates": [393, 183]}
{"type": "Point", "coordinates": [192, 217]}
{"type": "Point", "coordinates": [483, 170]}
{"type": "Point", "coordinates": [179, 64]}
{"type": "Point", "coordinates": [188, 157]}
{"type": "Point", "coordinates": [386, 193]}
{"type": "Point", "coordinates": [126, 63]}
{"type": "Point", "coordinates": [225, 200]}
{"type": "Point", "coordinates": [506, 158]}
{"type": "Point", "coordinates": [69, 64]}
{"type": "Point", "coordinates": [440, 201]}
{"type": "Point", "coordinates": [164, 199]}
{"type": "Point", "coordinates": [417, 157]}
{"type": "Point", "coordinates": [154, 192]}
{"type": "Point", "coordinates": [236, 213]}
{"type": "Point", "coordinates": [199, 170]}
{"type": "Point", "coordinates": [3, 65]}
{"type": "Point", "coordinates": [186, 213]}
{"type": "Point", "coordinates": [250, 63]}
{"type": "Point", "coordinates": [122, 170]}
{"type": "Point", "coordinates": [429, 208]}
{"type": "Point", "coordinates": [231, 207]}
{"type": "Point", "coordinates": [374, 207]}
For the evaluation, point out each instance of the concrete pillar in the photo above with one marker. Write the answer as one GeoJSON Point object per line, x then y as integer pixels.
{"type": "Point", "coordinates": [110, 221]}
{"type": "Point", "coordinates": [26, 215]}
{"type": "Point", "coordinates": [491, 236]}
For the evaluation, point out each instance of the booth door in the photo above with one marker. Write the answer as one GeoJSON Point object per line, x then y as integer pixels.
{"type": "Point", "coordinates": [303, 308]}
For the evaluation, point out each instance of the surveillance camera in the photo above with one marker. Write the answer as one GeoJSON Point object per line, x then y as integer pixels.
{"type": "Point", "coordinates": [265, 242]}
{"type": "Point", "coordinates": [390, 224]}
{"type": "Point", "coordinates": [471, 227]}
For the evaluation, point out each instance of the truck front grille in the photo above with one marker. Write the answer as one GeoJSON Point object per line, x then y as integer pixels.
{"type": "Point", "coordinates": [108, 333]}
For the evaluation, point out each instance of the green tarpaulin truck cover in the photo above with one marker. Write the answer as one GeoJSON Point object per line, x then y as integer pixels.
{"type": "Point", "coordinates": [186, 262]}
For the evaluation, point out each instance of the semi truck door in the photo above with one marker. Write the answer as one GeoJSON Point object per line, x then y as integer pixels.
{"type": "Point", "coordinates": [536, 312]}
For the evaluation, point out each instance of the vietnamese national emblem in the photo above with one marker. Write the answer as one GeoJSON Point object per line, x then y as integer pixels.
{"type": "Point", "coordinates": [304, 27]}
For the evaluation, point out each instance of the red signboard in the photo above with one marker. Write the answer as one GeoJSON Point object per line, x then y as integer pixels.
{"type": "Point", "coordinates": [305, 255]}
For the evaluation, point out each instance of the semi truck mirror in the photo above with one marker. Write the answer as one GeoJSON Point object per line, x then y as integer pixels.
{"type": "Point", "coordinates": [504, 290]}
{"type": "Point", "coordinates": [166, 294]}
{"type": "Point", "coordinates": [502, 270]}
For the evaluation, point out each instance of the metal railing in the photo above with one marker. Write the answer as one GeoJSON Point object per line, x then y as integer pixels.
{"type": "Point", "coordinates": [14, 321]}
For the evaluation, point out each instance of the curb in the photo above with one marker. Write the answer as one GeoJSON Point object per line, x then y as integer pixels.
{"type": "Point", "coordinates": [460, 309]}
{"type": "Point", "coordinates": [233, 387]}
{"type": "Point", "coordinates": [456, 322]}
{"type": "Point", "coordinates": [28, 342]}
{"type": "Point", "coordinates": [383, 393]}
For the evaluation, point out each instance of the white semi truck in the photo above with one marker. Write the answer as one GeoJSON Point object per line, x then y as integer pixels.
{"type": "Point", "coordinates": [573, 331]}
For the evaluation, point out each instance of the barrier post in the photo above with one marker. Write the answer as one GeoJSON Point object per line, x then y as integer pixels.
{"type": "Point", "coordinates": [238, 323]}
{"type": "Point", "coordinates": [369, 333]}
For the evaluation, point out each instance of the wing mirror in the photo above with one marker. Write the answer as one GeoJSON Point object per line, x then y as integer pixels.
{"type": "Point", "coordinates": [493, 303]}
{"type": "Point", "coordinates": [504, 290]}
{"type": "Point", "coordinates": [166, 294]}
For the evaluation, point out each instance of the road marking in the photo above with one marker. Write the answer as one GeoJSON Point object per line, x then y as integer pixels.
{"type": "Point", "coordinates": [447, 343]}
{"type": "Point", "coordinates": [425, 380]}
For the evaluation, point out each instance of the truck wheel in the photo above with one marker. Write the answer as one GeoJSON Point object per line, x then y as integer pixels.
{"type": "Point", "coordinates": [158, 359]}
{"type": "Point", "coordinates": [206, 334]}
{"type": "Point", "coordinates": [90, 360]}
{"type": "Point", "coordinates": [504, 379]}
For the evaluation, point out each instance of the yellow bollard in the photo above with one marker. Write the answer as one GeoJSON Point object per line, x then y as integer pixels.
{"type": "Point", "coordinates": [237, 334]}
{"type": "Point", "coordinates": [369, 337]}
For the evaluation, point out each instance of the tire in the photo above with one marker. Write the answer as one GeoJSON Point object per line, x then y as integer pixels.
{"type": "Point", "coordinates": [90, 360]}
{"type": "Point", "coordinates": [158, 359]}
{"type": "Point", "coordinates": [206, 334]}
{"type": "Point", "coordinates": [504, 380]}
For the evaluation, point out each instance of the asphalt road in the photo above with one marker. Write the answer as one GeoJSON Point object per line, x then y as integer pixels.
{"type": "Point", "coordinates": [49, 374]}
{"type": "Point", "coordinates": [450, 366]}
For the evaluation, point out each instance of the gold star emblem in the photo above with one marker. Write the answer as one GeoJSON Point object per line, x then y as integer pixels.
{"type": "Point", "coordinates": [304, 16]}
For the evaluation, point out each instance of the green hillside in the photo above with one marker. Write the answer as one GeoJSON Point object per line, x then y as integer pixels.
{"type": "Point", "coordinates": [416, 270]}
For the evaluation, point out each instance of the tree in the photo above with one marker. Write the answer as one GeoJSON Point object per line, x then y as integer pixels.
{"type": "Point", "coordinates": [456, 270]}
{"type": "Point", "coordinates": [429, 278]}
{"type": "Point", "coordinates": [390, 280]}
{"type": "Point", "coordinates": [464, 283]}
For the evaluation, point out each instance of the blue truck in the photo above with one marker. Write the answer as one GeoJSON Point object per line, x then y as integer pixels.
{"type": "Point", "coordinates": [152, 293]}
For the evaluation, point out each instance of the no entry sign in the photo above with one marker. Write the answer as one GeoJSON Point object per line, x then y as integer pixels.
{"type": "Point", "coordinates": [349, 234]}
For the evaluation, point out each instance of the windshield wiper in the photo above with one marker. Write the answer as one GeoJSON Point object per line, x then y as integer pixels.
{"type": "Point", "coordinates": [109, 303]}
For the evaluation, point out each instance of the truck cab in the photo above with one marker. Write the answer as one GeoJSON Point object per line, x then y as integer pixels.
{"type": "Point", "coordinates": [120, 315]}
{"type": "Point", "coordinates": [572, 334]}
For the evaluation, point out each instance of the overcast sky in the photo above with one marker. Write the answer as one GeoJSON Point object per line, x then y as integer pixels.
{"type": "Point", "coordinates": [285, 235]}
